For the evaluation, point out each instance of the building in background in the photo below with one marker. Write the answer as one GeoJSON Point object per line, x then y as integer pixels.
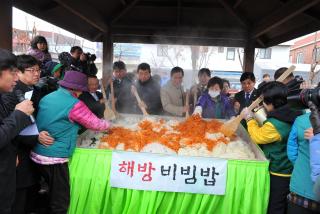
{"type": "Point", "coordinates": [306, 49]}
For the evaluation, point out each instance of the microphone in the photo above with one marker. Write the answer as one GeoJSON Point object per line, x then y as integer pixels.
{"type": "Point", "coordinates": [19, 94]}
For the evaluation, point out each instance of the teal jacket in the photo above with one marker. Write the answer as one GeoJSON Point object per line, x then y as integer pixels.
{"type": "Point", "coordinates": [298, 154]}
{"type": "Point", "coordinates": [276, 152]}
{"type": "Point", "coordinates": [53, 117]}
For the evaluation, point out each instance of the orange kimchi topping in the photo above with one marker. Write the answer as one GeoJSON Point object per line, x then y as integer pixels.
{"type": "Point", "coordinates": [187, 133]}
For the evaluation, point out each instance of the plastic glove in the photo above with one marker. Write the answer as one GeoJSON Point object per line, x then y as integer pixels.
{"type": "Point", "coordinates": [197, 110]}
{"type": "Point", "coordinates": [246, 114]}
{"type": "Point", "coordinates": [314, 117]}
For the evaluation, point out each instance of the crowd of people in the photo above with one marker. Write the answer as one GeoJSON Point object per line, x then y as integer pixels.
{"type": "Point", "coordinates": [65, 99]}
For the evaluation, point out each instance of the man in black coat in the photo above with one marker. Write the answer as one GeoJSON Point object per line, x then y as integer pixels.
{"type": "Point", "coordinates": [27, 177]}
{"type": "Point", "coordinates": [93, 98]}
{"type": "Point", "coordinates": [148, 90]}
{"type": "Point", "coordinates": [248, 94]}
{"type": "Point", "coordinates": [124, 100]}
{"type": "Point", "coordinates": [11, 124]}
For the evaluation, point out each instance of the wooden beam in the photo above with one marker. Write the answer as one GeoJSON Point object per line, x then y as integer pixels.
{"type": "Point", "coordinates": [6, 24]}
{"type": "Point", "coordinates": [66, 24]}
{"type": "Point", "coordinates": [248, 57]}
{"type": "Point", "coordinates": [85, 12]}
{"type": "Point", "coordinates": [123, 2]}
{"type": "Point", "coordinates": [178, 40]}
{"type": "Point", "coordinates": [124, 11]}
{"type": "Point", "coordinates": [107, 54]}
{"type": "Point", "coordinates": [49, 6]}
{"type": "Point", "coordinates": [295, 33]}
{"type": "Point", "coordinates": [261, 43]}
{"type": "Point", "coordinates": [178, 12]}
{"type": "Point", "coordinates": [238, 2]}
{"type": "Point", "coordinates": [173, 4]}
{"type": "Point", "coordinates": [181, 33]}
{"type": "Point", "coordinates": [234, 13]}
{"type": "Point", "coordinates": [283, 14]}
{"type": "Point", "coordinates": [310, 13]}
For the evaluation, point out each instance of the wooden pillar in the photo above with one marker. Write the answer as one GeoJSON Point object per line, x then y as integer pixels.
{"type": "Point", "coordinates": [248, 57]}
{"type": "Point", "coordinates": [107, 55]}
{"type": "Point", "coordinates": [6, 24]}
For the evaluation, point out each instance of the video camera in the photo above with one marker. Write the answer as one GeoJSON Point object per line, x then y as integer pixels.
{"type": "Point", "coordinates": [66, 60]}
{"type": "Point", "coordinates": [301, 99]}
{"type": "Point", "coordinates": [90, 57]}
{"type": "Point", "coordinates": [88, 66]}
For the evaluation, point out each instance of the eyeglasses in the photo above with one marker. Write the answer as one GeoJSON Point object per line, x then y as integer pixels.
{"type": "Point", "coordinates": [33, 70]}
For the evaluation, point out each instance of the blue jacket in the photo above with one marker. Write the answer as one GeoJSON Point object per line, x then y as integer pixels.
{"type": "Point", "coordinates": [221, 108]}
{"type": "Point", "coordinates": [53, 116]}
{"type": "Point", "coordinates": [298, 154]}
{"type": "Point", "coordinates": [315, 157]}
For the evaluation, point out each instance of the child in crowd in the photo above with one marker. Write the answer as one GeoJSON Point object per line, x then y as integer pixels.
{"type": "Point", "coordinates": [39, 49]}
{"type": "Point", "coordinates": [213, 103]}
{"type": "Point", "coordinates": [272, 136]}
{"type": "Point", "coordinates": [302, 199]}
{"type": "Point", "coordinates": [61, 113]}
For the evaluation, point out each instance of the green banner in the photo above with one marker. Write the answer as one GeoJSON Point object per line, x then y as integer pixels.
{"type": "Point", "coordinates": [247, 190]}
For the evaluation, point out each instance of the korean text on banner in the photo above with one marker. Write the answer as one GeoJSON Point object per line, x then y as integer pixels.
{"type": "Point", "coordinates": [168, 173]}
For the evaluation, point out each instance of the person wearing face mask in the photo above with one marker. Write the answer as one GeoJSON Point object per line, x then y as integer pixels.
{"type": "Point", "coordinates": [213, 103]}
{"type": "Point", "coordinates": [272, 137]}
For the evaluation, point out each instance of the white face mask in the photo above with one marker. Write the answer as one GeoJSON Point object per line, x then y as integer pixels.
{"type": "Point", "coordinates": [214, 94]}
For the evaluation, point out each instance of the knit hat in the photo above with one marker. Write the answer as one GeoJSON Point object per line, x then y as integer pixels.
{"type": "Point", "coordinates": [74, 80]}
{"type": "Point", "coordinates": [51, 67]}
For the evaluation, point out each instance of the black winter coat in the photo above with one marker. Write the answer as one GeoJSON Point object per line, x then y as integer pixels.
{"type": "Point", "coordinates": [26, 170]}
{"type": "Point", "coordinates": [149, 93]}
{"type": "Point", "coordinates": [10, 126]}
{"type": "Point", "coordinates": [95, 106]}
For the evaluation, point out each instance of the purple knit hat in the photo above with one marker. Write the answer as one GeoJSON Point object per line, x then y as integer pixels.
{"type": "Point", "coordinates": [74, 80]}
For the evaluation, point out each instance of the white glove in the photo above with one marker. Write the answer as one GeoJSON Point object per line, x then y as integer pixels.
{"type": "Point", "coordinates": [246, 114]}
{"type": "Point", "coordinates": [197, 110]}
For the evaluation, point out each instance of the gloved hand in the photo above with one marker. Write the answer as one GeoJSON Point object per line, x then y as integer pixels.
{"type": "Point", "coordinates": [314, 117]}
{"type": "Point", "coordinates": [246, 114]}
{"type": "Point", "coordinates": [197, 110]}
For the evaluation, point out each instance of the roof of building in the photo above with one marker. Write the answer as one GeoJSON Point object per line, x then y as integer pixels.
{"type": "Point", "coordinates": [189, 22]}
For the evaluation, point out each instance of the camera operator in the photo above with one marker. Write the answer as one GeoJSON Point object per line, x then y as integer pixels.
{"type": "Point", "coordinates": [76, 52]}
{"type": "Point", "coordinates": [11, 124]}
{"type": "Point", "coordinates": [292, 82]}
{"type": "Point", "coordinates": [87, 64]}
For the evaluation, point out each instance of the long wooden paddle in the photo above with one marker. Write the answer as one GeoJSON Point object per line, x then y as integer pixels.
{"type": "Point", "coordinates": [231, 126]}
{"type": "Point", "coordinates": [140, 103]}
{"type": "Point", "coordinates": [113, 101]}
{"type": "Point", "coordinates": [108, 113]}
{"type": "Point", "coordinates": [187, 103]}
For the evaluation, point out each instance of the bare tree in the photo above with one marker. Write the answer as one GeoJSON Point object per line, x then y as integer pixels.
{"type": "Point", "coordinates": [315, 60]}
{"type": "Point", "coordinates": [156, 63]}
{"type": "Point", "coordinates": [173, 53]}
